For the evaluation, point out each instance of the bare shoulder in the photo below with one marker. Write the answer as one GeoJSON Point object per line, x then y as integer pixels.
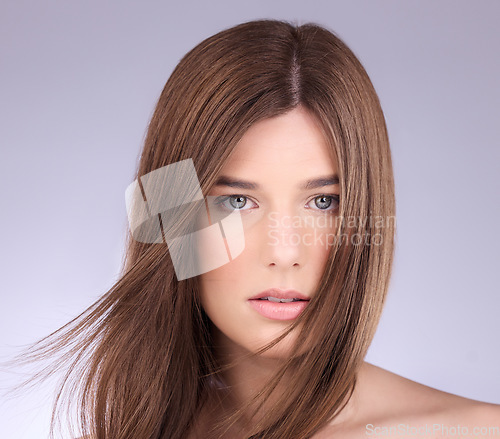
{"type": "Point", "coordinates": [406, 403]}
{"type": "Point", "coordinates": [388, 405]}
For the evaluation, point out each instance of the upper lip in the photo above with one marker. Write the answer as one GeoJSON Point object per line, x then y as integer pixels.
{"type": "Point", "coordinates": [280, 294]}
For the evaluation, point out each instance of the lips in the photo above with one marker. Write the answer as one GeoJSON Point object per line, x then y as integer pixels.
{"type": "Point", "coordinates": [278, 293]}
{"type": "Point", "coordinates": [274, 309]}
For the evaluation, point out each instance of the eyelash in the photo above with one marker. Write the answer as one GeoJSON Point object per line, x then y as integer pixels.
{"type": "Point", "coordinates": [223, 198]}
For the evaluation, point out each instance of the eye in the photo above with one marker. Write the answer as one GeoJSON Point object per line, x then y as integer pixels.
{"type": "Point", "coordinates": [236, 202]}
{"type": "Point", "coordinates": [326, 202]}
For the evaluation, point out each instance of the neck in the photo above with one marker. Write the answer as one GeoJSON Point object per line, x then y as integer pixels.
{"type": "Point", "coordinates": [246, 378]}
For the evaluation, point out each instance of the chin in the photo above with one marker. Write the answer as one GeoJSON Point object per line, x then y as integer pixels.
{"type": "Point", "coordinates": [281, 350]}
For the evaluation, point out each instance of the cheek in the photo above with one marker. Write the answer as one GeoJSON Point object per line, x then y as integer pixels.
{"type": "Point", "coordinates": [319, 241]}
{"type": "Point", "coordinates": [231, 273]}
{"type": "Point", "coordinates": [220, 242]}
{"type": "Point", "coordinates": [224, 291]}
{"type": "Point", "coordinates": [211, 250]}
{"type": "Point", "coordinates": [230, 269]}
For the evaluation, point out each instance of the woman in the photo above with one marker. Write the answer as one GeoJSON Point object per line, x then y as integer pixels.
{"type": "Point", "coordinates": [264, 339]}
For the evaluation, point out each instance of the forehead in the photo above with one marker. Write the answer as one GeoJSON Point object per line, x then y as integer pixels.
{"type": "Point", "coordinates": [289, 142]}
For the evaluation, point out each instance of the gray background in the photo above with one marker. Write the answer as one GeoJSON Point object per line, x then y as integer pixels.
{"type": "Point", "coordinates": [79, 80]}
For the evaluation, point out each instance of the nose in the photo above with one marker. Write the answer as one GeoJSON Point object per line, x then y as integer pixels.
{"type": "Point", "coordinates": [283, 245]}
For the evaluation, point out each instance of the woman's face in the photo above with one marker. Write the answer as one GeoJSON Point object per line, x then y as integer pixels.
{"type": "Point", "coordinates": [287, 229]}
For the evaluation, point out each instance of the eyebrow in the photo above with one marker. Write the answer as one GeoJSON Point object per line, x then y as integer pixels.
{"type": "Point", "coordinates": [309, 184]}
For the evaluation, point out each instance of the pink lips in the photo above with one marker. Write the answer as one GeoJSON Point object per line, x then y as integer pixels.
{"type": "Point", "coordinates": [279, 310]}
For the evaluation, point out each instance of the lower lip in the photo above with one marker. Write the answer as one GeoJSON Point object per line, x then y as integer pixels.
{"type": "Point", "coordinates": [278, 310]}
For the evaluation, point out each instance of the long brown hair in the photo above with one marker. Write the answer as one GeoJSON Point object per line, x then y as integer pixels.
{"type": "Point", "coordinates": [140, 360]}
